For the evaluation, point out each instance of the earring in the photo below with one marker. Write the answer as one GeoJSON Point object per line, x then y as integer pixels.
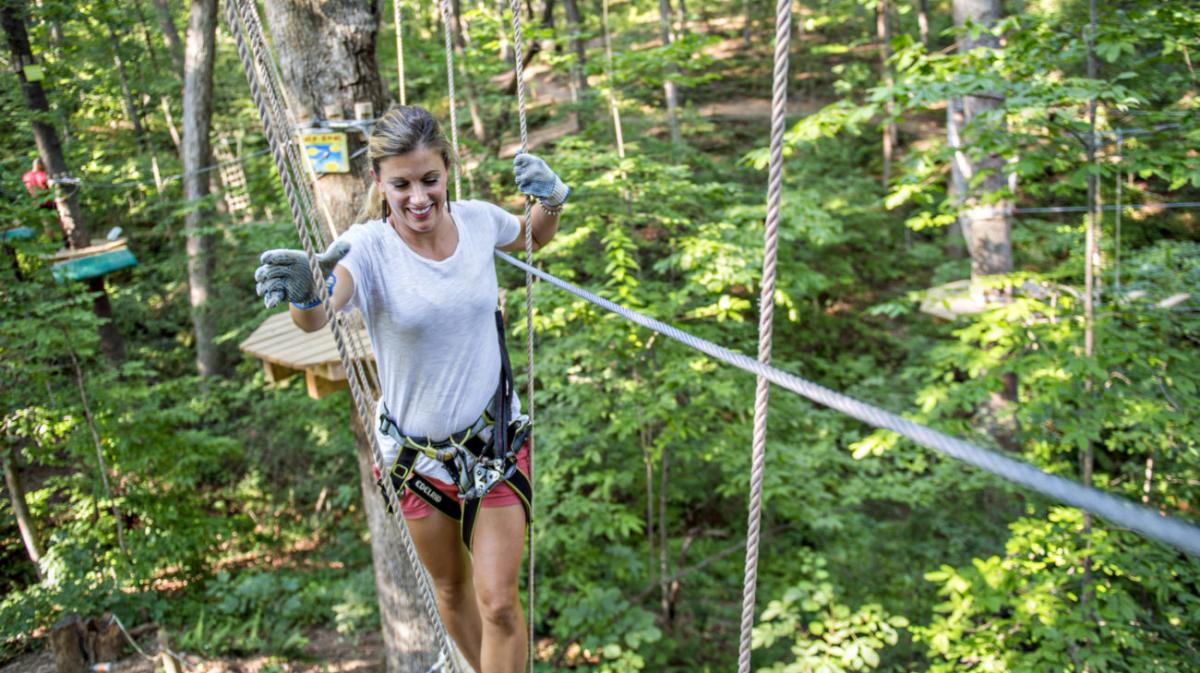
{"type": "Point", "coordinates": [387, 211]}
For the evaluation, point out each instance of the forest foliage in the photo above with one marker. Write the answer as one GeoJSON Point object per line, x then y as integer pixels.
{"type": "Point", "coordinates": [231, 512]}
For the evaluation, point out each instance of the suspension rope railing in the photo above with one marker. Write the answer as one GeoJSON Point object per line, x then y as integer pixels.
{"type": "Point", "coordinates": [400, 51]}
{"type": "Point", "coordinates": [783, 30]}
{"type": "Point", "coordinates": [1143, 520]}
{"type": "Point", "coordinates": [519, 72]}
{"type": "Point", "coordinates": [445, 9]}
{"type": "Point", "coordinates": [295, 173]}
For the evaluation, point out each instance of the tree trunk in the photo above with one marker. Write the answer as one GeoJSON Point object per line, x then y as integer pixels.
{"type": "Point", "coordinates": [986, 226]}
{"type": "Point", "coordinates": [578, 67]}
{"type": "Point", "coordinates": [664, 30]}
{"type": "Point", "coordinates": [170, 35]}
{"type": "Point", "coordinates": [956, 189]}
{"type": "Point", "coordinates": [197, 119]}
{"type": "Point", "coordinates": [20, 506]}
{"type": "Point", "coordinates": [923, 22]}
{"type": "Point", "coordinates": [66, 194]}
{"type": "Point", "coordinates": [131, 111]}
{"type": "Point", "coordinates": [327, 58]}
{"type": "Point", "coordinates": [883, 32]}
{"type": "Point", "coordinates": [478, 129]}
{"type": "Point", "coordinates": [409, 637]}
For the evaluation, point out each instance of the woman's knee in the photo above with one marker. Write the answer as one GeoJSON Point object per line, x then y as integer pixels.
{"type": "Point", "coordinates": [499, 608]}
{"type": "Point", "coordinates": [454, 593]}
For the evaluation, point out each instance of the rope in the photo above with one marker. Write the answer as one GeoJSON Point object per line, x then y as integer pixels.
{"type": "Point", "coordinates": [263, 80]}
{"type": "Point", "coordinates": [399, 51]}
{"type": "Point", "coordinates": [519, 71]}
{"type": "Point", "coordinates": [453, 105]}
{"type": "Point", "coordinates": [1143, 520]}
{"type": "Point", "coordinates": [783, 26]}
{"type": "Point", "coordinates": [1110, 206]}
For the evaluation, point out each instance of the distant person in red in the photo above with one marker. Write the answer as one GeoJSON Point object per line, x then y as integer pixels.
{"type": "Point", "coordinates": [36, 181]}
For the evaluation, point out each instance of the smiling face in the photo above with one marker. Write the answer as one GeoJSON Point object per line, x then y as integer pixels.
{"type": "Point", "coordinates": [414, 185]}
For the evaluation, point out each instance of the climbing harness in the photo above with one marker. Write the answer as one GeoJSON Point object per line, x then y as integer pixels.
{"type": "Point", "coordinates": [478, 458]}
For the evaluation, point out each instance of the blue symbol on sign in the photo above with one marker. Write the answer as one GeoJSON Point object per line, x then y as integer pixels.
{"type": "Point", "coordinates": [321, 154]}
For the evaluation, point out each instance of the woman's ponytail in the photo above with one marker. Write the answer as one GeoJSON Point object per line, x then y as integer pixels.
{"type": "Point", "coordinates": [372, 207]}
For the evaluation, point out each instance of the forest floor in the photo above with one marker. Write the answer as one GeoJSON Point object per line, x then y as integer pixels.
{"type": "Point", "coordinates": [327, 652]}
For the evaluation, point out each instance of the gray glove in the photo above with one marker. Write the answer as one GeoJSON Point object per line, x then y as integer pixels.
{"type": "Point", "coordinates": [285, 274]}
{"type": "Point", "coordinates": [535, 178]}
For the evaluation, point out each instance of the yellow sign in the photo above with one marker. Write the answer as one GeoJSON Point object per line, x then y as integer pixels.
{"type": "Point", "coordinates": [327, 151]}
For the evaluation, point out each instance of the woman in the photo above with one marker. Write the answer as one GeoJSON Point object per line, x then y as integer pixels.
{"type": "Point", "coordinates": [423, 275]}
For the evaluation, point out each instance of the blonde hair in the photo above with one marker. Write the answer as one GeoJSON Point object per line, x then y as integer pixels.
{"type": "Point", "coordinates": [402, 129]}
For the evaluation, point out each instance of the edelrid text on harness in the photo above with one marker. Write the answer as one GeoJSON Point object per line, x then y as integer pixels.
{"type": "Point", "coordinates": [477, 458]}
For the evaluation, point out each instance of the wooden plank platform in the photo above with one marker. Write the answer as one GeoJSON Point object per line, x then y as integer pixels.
{"type": "Point", "coordinates": [286, 350]}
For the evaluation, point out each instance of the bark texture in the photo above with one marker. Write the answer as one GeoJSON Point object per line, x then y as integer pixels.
{"type": "Point", "coordinates": [407, 633]}
{"type": "Point", "coordinates": [196, 151]}
{"type": "Point", "coordinates": [986, 226]}
{"type": "Point", "coordinates": [327, 57]}
{"type": "Point", "coordinates": [170, 35]}
{"type": "Point", "coordinates": [20, 507]}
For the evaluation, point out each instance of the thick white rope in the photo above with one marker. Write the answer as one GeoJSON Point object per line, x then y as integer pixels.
{"type": "Point", "coordinates": [783, 26]}
{"type": "Point", "coordinates": [445, 5]}
{"type": "Point", "coordinates": [279, 134]}
{"type": "Point", "coordinates": [399, 50]}
{"type": "Point", "coordinates": [519, 72]}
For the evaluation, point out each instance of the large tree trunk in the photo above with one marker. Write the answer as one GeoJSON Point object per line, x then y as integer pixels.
{"type": "Point", "coordinates": [197, 118]}
{"type": "Point", "coordinates": [20, 506]}
{"type": "Point", "coordinates": [66, 198]}
{"type": "Point", "coordinates": [985, 225]}
{"type": "Point", "coordinates": [170, 35]}
{"type": "Point", "coordinates": [327, 58]}
{"type": "Point", "coordinates": [407, 633]}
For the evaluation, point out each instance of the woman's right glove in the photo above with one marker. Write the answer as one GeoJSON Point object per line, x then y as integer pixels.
{"type": "Point", "coordinates": [285, 274]}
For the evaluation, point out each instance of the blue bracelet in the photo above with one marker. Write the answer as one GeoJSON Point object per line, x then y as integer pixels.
{"type": "Point", "coordinates": [330, 282]}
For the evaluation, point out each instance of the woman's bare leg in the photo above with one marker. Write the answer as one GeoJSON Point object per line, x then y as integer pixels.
{"type": "Point", "coordinates": [444, 556]}
{"type": "Point", "coordinates": [499, 541]}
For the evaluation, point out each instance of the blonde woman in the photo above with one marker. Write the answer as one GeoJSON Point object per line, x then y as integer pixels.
{"type": "Point", "coordinates": [422, 273]}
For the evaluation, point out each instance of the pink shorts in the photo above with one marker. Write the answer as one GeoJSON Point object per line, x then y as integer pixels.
{"type": "Point", "coordinates": [500, 496]}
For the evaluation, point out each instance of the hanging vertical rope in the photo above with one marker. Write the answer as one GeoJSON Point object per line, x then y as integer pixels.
{"type": "Point", "coordinates": [453, 102]}
{"type": "Point", "coordinates": [783, 25]}
{"type": "Point", "coordinates": [518, 65]}
{"type": "Point", "coordinates": [399, 51]}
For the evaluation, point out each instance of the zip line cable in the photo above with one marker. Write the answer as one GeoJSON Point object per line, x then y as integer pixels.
{"type": "Point", "coordinates": [1143, 520]}
{"type": "Point", "coordinates": [263, 79]}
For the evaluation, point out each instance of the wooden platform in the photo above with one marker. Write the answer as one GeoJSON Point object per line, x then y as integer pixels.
{"type": "Point", "coordinates": [286, 350]}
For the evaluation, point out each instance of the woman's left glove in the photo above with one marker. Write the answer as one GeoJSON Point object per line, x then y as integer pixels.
{"type": "Point", "coordinates": [535, 178]}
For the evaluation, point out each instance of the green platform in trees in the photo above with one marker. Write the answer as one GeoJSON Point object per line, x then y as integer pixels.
{"type": "Point", "coordinates": [19, 232]}
{"type": "Point", "coordinates": [98, 259]}
{"type": "Point", "coordinates": [83, 268]}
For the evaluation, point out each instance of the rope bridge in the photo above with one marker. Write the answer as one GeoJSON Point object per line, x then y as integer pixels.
{"type": "Point", "coordinates": [298, 179]}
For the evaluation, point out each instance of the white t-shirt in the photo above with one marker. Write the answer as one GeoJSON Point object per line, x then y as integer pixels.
{"type": "Point", "coordinates": [432, 323]}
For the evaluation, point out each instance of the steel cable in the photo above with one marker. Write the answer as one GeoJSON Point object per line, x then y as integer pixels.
{"type": "Point", "coordinates": [1143, 520]}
